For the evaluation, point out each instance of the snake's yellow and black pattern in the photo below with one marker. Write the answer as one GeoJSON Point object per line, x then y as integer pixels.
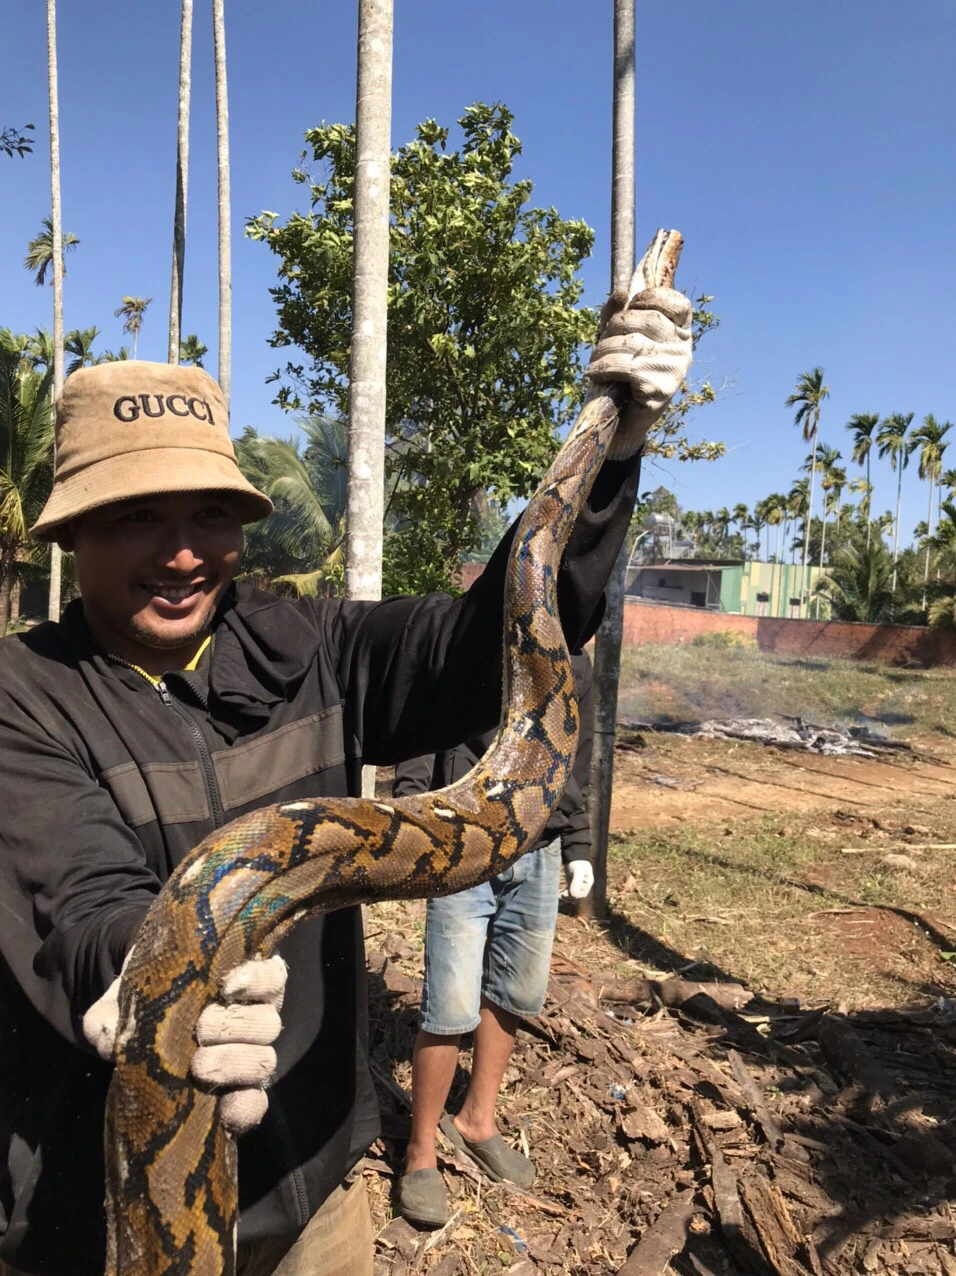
{"type": "Point", "coordinates": [171, 1167]}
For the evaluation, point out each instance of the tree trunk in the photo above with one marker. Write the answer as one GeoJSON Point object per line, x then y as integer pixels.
{"type": "Point", "coordinates": [6, 599]}
{"type": "Point", "coordinates": [778, 565]}
{"type": "Point", "coordinates": [806, 531]}
{"type": "Point", "coordinates": [607, 652]}
{"type": "Point", "coordinates": [366, 454]}
{"type": "Point", "coordinates": [182, 182]}
{"type": "Point", "coordinates": [823, 544]}
{"type": "Point", "coordinates": [56, 219]}
{"type": "Point", "coordinates": [896, 526]}
{"type": "Point", "coordinates": [929, 532]}
{"type": "Point", "coordinates": [869, 498]}
{"type": "Point", "coordinates": [225, 243]}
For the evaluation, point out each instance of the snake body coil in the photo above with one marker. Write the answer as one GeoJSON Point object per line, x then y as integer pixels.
{"type": "Point", "coordinates": [171, 1167]}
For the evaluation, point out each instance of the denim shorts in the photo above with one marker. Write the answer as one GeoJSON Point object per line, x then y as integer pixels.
{"type": "Point", "coordinates": [493, 940]}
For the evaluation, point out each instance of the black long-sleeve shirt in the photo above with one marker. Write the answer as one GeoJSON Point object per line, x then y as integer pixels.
{"type": "Point", "coordinates": [105, 786]}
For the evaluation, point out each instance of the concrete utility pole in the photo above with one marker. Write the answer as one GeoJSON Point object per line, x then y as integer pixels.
{"type": "Point", "coordinates": [56, 222]}
{"type": "Point", "coordinates": [182, 180]}
{"type": "Point", "coordinates": [366, 455]}
{"type": "Point", "coordinates": [607, 653]}
{"type": "Point", "coordinates": [225, 240]}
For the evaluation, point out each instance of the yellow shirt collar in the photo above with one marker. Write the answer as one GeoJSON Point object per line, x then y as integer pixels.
{"type": "Point", "coordinates": [186, 668]}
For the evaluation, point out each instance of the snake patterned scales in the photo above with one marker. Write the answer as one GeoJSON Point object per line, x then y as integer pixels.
{"type": "Point", "coordinates": [171, 1167]}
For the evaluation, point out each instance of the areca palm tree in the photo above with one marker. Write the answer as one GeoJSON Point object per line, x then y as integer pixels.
{"type": "Point", "coordinates": [776, 517]}
{"type": "Point", "coordinates": [858, 584]}
{"type": "Point", "coordinates": [832, 481]}
{"type": "Point", "coordinates": [192, 350]}
{"type": "Point", "coordinates": [132, 311]}
{"type": "Point", "coordinates": [942, 610]}
{"type": "Point", "coordinates": [26, 463]}
{"type": "Point", "coordinates": [891, 441]}
{"type": "Point", "coordinates": [79, 344]}
{"type": "Point", "coordinates": [182, 182]}
{"type": "Point", "coordinates": [762, 512]}
{"type": "Point", "coordinates": [301, 544]}
{"type": "Point", "coordinates": [222, 166]}
{"type": "Point", "coordinates": [798, 504]}
{"type": "Point", "coordinates": [808, 397]}
{"type": "Point", "coordinates": [39, 258]}
{"type": "Point", "coordinates": [862, 426]}
{"type": "Point", "coordinates": [742, 518]}
{"type": "Point", "coordinates": [56, 258]}
{"type": "Point", "coordinates": [929, 440]}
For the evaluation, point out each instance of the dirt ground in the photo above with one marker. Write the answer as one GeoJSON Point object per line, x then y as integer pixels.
{"type": "Point", "coordinates": [790, 1113]}
{"type": "Point", "coordinates": [662, 779]}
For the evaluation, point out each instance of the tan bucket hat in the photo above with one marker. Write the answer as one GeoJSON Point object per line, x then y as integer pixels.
{"type": "Point", "coordinates": [132, 428]}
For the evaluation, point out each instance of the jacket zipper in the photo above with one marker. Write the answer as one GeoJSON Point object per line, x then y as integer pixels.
{"type": "Point", "coordinates": [212, 789]}
{"type": "Point", "coordinates": [205, 759]}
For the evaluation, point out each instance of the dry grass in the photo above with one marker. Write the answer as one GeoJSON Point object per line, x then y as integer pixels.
{"type": "Point", "coordinates": [684, 682]}
{"type": "Point", "coordinates": [778, 905]}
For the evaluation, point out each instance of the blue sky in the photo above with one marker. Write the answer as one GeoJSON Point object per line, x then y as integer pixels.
{"type": "Point", "coordinates": [804, 151]}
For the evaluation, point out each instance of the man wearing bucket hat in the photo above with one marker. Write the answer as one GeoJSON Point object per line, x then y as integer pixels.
{"type": "Point", "coordinates": [171, 698]}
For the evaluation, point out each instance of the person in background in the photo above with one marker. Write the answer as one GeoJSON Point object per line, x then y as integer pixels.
{"type": "Point", "coordinates": [487, 959]}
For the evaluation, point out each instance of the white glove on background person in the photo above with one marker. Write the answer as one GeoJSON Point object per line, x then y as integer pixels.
{"type": "Point", "coordinates": [234, 1038]}
{"type": "Point", "coordinates": [645, 344]}
{"type": "Point", "coordinates": [580, 877]}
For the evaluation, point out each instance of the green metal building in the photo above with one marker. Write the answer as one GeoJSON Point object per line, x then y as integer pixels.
{"type": "Point", "coordinates": [744, 588]}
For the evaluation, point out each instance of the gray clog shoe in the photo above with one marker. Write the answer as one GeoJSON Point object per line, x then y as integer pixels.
{"type": "Point", "coordinates": [494, 1156]}
{"type": "Point", "coordinates": [422, 1198]}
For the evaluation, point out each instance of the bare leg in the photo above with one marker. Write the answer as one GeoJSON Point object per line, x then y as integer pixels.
{"type": "Point", "coordinates": [433, 1069]}
{"type": "Point", "coordinates": [494, 1042]}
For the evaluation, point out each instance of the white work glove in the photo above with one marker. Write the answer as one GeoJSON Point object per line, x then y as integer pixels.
{"type": "Point", "coordinates": [645, 344]}
{"type": "Point", "coordinates": [234, 1037]}
{"type": "Point", "coordinates": [580, 876]}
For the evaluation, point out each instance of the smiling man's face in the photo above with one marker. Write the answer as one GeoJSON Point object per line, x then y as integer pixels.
{"type": "Point", "coordinates": [152, 571]}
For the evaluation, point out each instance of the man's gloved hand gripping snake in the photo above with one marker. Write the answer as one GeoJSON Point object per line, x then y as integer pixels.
{"type": "Point", "coordinates": [171, 1167]}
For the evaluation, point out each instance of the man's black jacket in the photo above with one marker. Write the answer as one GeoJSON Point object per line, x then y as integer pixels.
{"type": "Point", "coordinates": [570, 821]}
{"type": "Point", "coordinates": [107, 783]}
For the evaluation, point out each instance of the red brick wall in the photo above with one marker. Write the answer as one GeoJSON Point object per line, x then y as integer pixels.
{"type": "Point", "coordinates": [646, 622]}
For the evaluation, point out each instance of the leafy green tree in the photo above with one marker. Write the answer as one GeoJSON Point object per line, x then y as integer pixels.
{"type": "Point", "coordinates": [859, 584]}
{"type": "Point", "coordinates": [485, 329]}
{"type": "Point", "coordinates": [39, 256]}
{"type": "Point", "coordinates": [26, 461]}
{"type": "Point", "coordinates": [862, 426]}
{"type": "Point", "coordinates": [132, 311]}
{"type": "Point", "coordinates": [891, 441]}
{"type": "Point", "coordinates": [192, 350]}
{"type": "Point", "coordinates": [807, 398]}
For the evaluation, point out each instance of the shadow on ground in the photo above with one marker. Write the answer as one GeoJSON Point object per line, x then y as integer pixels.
{"type": "Point", "coordinates": [766, 1140]}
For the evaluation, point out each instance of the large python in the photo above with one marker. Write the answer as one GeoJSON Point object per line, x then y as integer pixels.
{"type": "Point", "coordinates": [171, 1167]}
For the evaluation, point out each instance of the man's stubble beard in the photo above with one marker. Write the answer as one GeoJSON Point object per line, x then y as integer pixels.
{"type": "Point", "coordinates": [149, 638]}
